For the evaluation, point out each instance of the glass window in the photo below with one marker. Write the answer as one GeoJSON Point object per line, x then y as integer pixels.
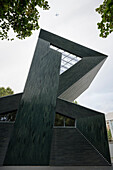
{"type": "Point", "coordinates": [61, 120]}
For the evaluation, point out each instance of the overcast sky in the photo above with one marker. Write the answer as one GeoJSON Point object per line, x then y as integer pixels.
{"type": "Point", "coordinates": [76, 21]}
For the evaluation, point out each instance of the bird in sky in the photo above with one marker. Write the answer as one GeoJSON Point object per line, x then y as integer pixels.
{"type": "Point", "coordinates": [56, 14]}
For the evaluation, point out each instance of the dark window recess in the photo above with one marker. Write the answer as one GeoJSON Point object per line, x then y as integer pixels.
{"type": "Point", "coordinates": [69, 122]}
{"type": "Point", "coordinates": [61, 120]}
{"type": "Point", "coordinates": [10, 117]}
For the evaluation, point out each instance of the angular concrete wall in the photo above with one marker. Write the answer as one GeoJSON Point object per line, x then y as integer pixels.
{"type": "Point", "coordinates": [31, 138]}
{"type": "Point", "coordinates": [94, 129]}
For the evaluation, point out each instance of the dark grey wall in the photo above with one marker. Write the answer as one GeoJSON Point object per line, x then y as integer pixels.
{"type": "Point", "coordinates": [77, 79]}
{"type": "Point", "coordinates": [5, 133]}
{"type": "Point", "coordinates": [67, 45]}
{"type": "Point", "coordinates": [73, 110]}
{"type": "Point", "coordinates": [31, 138]}
{"type": "Point", "coordinates": [94, 129]}
{"type": "Point", "coordinates": [70, 148]}
{"type": "Point", "coordinates": [9, 103]}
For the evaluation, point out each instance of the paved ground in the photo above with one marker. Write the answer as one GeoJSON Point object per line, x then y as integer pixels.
{"type": "Point", "coordinates": [56, 168]}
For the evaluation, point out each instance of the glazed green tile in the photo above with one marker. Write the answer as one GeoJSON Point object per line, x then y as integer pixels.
{"type": "Point", "coordinates": [31, 139]}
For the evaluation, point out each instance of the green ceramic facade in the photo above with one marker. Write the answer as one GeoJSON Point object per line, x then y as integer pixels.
{"type": "Point", "coordinates": [33, 139]}
{"type": "Point", "coordinates": [94, 129]}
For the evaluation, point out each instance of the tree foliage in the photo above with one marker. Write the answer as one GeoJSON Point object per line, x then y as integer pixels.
{"type": "Point", "coordinates": [5, 92]}
{"type": "Point", "coordinates": [109, 135]}
{"type": "Point", "coordinates": [106, 12]}
{"type": "Point", "coordinates": [20, 15]}
{"type": "Point", "coordinates": [9, 116]}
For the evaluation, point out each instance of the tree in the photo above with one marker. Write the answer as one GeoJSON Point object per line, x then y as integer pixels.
{"type": "Point", "coordinates": [5, 92]}
{"type": "Point", "coordinates": [106, 12]}
{"type": "Point", "coordinates": [109, 135]}
{"type": "Point", "coordinates": [75, 102]}
{"type": "Point", "coordinates": [9, 116]}
{"type": "Point", "coordinates": [20, 15]}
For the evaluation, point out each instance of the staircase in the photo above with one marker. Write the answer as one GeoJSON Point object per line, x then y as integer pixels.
{"type": "Point", "coordinates": [71, 148]}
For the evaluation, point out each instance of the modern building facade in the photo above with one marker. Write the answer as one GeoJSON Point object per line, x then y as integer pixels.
{"type": "Point", "coordinates": [109, 122]}
{"type": "Point", "coordinates": [60, 71]}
